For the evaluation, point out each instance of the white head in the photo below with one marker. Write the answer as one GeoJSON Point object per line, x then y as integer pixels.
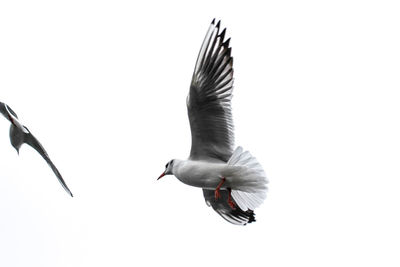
{"type": "Point", "coordinates": [168, 169]}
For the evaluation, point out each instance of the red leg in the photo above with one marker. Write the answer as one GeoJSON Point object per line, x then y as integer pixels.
{"type": "Point", "coordinates": [230, 201]}
{"type": "Point", "coordinates": [217, 193]}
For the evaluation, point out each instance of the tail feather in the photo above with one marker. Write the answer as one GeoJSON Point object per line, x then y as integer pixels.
{"type": "Point", "coordinates": [252, 190]}
{"type": "Point", "coordinates": [247, 200]}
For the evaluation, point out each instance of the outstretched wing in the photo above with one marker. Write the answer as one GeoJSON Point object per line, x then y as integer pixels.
{"type": "Point", "coordinates": [221, 206]}
{"type": "Point", "coordinates": [209, 99]}
{"type": "Point", "coordinates": [33, 142]}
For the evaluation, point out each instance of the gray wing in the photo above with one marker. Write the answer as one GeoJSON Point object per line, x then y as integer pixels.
{"type": "Point", "coordinates": [234, 216]}
{"type": "Point", "coordinates": [12, 111]}
{"type": "Point", "coordinates": [209, 99]}
{"type": "Point", "coordinates": [33, 142]}
{"type": "Point", "coordinates": [4, 109]}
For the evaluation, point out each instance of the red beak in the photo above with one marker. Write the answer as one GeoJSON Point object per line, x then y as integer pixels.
{"type": "Point", "coordinates": [162, 174]}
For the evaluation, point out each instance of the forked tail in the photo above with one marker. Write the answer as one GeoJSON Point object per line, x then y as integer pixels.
{"type": "Point", "coordinates": [252, 189]}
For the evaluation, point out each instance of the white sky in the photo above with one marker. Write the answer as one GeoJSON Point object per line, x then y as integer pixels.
{"type": "Point", "coordinates": [102, 84]}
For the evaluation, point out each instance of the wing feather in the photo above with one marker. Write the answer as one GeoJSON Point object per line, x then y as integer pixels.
{"type": "Point", "coordinates": [209, 99]}
{"type": "Point", "coordinates": [235, 216]}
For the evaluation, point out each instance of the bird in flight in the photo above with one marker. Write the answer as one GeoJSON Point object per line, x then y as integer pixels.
{"type": "Point", "coordinates": [233, 181]}
{"type": "Point", "coordinates": [19, 134]}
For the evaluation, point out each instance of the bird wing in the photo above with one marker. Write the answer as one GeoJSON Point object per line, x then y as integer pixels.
{"type": "Point", "coordinates": [33, 142]}
{"type": "Point", "coordinates": [11, 111]}
{"type": "Point", "coordinates": [5, 110]}
{"type": "Point", "coordinates": [209, 99]}
{"type": "Point", "coordinates": [235, 216]}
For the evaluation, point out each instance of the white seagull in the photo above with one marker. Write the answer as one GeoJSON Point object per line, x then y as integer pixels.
{"type": "Point", "coordinates": [19, 135]}
{"type": "Point", "coordinates": [233, 181]}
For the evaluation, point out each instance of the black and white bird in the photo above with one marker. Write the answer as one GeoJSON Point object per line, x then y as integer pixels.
{"type": "Point", "coordinates": [19, 134]}
{"type": "Point", "coordinates": [233, 181]}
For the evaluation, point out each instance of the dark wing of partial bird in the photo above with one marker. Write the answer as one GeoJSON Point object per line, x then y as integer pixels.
{"type": "Point", "coordinates": [209, 99]}
{"type": "Point", "coordinates": [33, 142]}
{"type": "Point", "coordinates": [221, 206]}
{"type": "Point", "coordinates": [4, 109]}
{"type": "Point", "coordinates": [12, 112]}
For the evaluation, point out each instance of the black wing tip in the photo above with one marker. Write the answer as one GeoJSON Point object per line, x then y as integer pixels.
{"type": "Point", "coordinates": [252, 216]}
{"type": "Point", "coordinates": [241, 217]}
{"type": "Point", "coordinates": [248, 215]}
{"type": "Point", "coordinates": [228, 54]}
{"type": "Point", "coordinates": [222, 34]}
{"type": "Point", "coordinates": [213, 21]}
{"type": "Point", "coordinates": [226, 43]}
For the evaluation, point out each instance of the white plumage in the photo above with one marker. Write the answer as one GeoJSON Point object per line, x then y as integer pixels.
{"type": "Point", "coordinates": [233, 181]}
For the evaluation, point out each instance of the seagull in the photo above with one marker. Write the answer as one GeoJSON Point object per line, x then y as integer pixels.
{"type": "Point", "coordinates": [19, 134]}
{"type": "Point", "coordinates": [233, 181]}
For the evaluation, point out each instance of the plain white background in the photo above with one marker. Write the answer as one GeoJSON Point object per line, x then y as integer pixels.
{"type": "Point", "coordinates": [102, 85]}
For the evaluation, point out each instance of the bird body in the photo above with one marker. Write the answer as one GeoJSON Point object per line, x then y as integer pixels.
{"type": "Point", "coordinates": [204, 174]}
{"type": "Point", "coordinates": [208, 175]}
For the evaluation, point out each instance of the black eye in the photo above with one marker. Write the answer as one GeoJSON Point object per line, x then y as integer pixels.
{"type": "Point", "coordinates": [166, 166]}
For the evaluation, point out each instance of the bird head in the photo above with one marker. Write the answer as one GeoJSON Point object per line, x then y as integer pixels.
{"type": "Point", "coordinates": [168, 169]}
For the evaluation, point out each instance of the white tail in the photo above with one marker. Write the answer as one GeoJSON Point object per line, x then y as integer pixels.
{"type": "Point", "coordinates": [252, 189]}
